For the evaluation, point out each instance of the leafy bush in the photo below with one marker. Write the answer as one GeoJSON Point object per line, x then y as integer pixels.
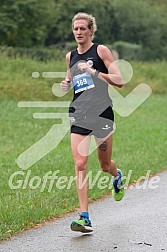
{"type": "Point", "coordinates": [42, 54]}
{"type": "Point", "coordinates": [70, 46]}
{"type": "Point", "coordinates": [128, 51]}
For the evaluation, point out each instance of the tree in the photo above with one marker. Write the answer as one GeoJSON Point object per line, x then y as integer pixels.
{"type": "Point", "coordinates": [24, 23]}
{"type": "Point", "coordinates": [142, 23]}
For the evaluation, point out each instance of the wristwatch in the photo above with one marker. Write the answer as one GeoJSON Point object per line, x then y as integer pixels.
{"type": "Point", "coordinates": [96, 73]}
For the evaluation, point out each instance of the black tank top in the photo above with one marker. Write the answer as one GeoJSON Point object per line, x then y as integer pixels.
{"type": "Point", "coordinates": [91, 96]}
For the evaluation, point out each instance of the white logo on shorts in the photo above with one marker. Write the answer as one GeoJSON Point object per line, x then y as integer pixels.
{"type": "Point", "coordinates": [72, 119]}
{"type": "Point", "coordinates": [106, 127]}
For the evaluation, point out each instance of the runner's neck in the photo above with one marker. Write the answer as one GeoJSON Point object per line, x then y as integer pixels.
{"type": "Point", "coordinates": [83, 48]}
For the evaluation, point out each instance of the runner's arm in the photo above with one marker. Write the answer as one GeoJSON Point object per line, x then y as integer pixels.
{"type": "Point", "coordinates": [65, 84]}
{"type": "Point", "coordinates": [68, 75]}
{"type": "Point", "coordinates": [114, 76]}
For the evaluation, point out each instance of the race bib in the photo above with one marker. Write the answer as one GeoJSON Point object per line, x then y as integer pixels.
{"type": "Point", "coordinates": [82, 82]}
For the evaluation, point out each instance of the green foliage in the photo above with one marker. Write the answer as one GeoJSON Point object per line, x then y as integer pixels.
{"type": "Point", "coordinates": [70, 46]}
{"type": "Point", "coordinates": [16, 78]}
{"type": "Point", "coordinates": [142, 23]}
{"type": "Point", "coordinates": [32, 23]}
{"type": "Point", "coordinates": [128, 51]}
{"type": "Point", "coordinates": [24, 23]}
{"type": "Point", "coordinates": [42, 54]}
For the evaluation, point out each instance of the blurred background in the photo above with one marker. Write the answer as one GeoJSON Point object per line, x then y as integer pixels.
{"type": "Point", "coordinates": [41, 29]}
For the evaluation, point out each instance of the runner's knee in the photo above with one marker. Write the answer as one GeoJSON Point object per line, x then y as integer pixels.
{"type": "Point", "coordinates": [80, 165]}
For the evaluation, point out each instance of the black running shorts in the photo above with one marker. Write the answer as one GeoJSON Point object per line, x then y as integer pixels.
{"type": "Point", "coordinates": [101, 128]}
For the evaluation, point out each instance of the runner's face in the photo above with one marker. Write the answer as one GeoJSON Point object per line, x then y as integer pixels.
{"type": "Point", "coordinates": [81, 31]}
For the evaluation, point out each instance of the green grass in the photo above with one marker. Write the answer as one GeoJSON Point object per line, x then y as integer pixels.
{"type": "Point", "coordinates": [16, 78]}
{"type": "Point", "coordinates": [140, 143]}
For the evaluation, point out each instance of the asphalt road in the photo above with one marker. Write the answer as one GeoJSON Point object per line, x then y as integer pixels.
{"type": "Point", "coordinates": [137, 223]}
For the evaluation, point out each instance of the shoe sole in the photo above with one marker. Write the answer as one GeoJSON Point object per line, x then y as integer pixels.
{"type": "Point", "coordinates": [80, 228]}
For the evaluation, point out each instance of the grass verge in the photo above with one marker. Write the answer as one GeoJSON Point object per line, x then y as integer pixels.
{"type": "Point", "coordinates": [139, 145]}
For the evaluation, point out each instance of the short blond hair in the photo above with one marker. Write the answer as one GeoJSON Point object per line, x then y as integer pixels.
{"type": "Point", "coordinates": [88, 17]}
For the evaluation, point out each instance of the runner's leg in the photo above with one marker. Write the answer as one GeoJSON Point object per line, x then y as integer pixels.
{"type": "Point", "coordinates": [104, 155]}
{"type": "Point", "coordinates": [108, 165]}
{"type": "Point", "coordinates": [81, 167]}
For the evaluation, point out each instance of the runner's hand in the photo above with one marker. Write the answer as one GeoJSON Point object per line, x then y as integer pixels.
{"type": "Point", "coordinates": [65, 84]}
{"type": "Point", "coordinates": [84, 67]}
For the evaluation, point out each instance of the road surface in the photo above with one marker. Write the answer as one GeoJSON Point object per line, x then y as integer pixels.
{"type": "Point", "coordinates": [137, 223]}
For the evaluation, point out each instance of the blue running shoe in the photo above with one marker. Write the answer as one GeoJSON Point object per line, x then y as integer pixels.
{"type": "Point", "coordinates": [118, 189]}
{"type": "Point", "coordinates": [82, 225]}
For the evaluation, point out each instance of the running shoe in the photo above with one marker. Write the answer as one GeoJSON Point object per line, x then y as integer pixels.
{"type": "Point", "coordinates": [82, 225]}
{"type": "Point", "coordinates": [118, 189]}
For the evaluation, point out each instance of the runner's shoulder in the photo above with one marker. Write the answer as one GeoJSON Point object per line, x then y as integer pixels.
{"type": "Point", "coordinates": [68, 55]}
{"type": "Point", "coordinates": [103, 48]}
